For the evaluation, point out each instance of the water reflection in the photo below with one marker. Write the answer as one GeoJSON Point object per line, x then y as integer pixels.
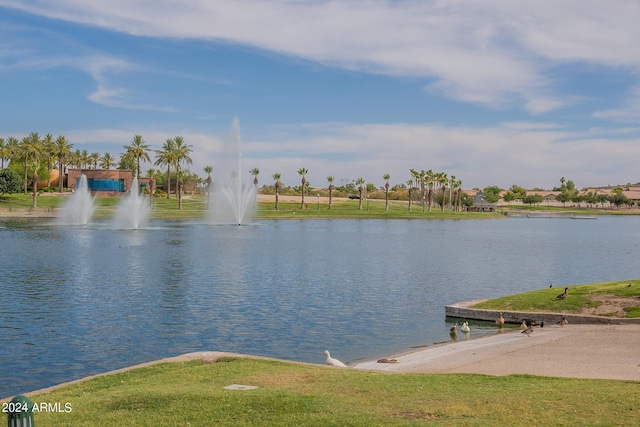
{"type": "Point", "coordinates": [83, 300]}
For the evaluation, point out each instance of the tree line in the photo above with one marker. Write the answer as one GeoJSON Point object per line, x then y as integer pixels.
{"type": "Point", "coordinates": [567, 192]}
{"type": "Point", "coordinates": [32, 158]}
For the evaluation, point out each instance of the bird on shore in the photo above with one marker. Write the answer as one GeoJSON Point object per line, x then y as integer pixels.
{"type": "Point", "coordinates": [500, 321]}
{"type": "Point", "coordinates": [563, 322]}
{"type": "Point", "coordinates": [528, 331]}
{"type": "Point", "coordinates": [333, 362]}
{"type": "Point", "coordinates": [629, 285]}
{"type": "Point", "coordinates": [551, 285]}
{"type": "Point", "coordinates": [465, 327]}
{"type": "Point", "coordinates": [563, 295]}
{"type": "Point", "coordinates": [524, 325]}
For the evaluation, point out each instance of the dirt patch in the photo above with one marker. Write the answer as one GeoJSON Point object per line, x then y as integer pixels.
{"type": "Point", "coordinates": [610, 305]}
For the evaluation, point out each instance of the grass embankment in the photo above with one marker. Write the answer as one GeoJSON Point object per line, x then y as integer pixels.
{"type": "Point", "coordinates": [193, 393]}
{"type": "Point", "coordinates": [195, 207]}
{"type": "Point", "coordinates": [579, 299]}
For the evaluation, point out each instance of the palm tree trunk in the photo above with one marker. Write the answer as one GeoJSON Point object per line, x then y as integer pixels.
{"type": "Point", "coordinates": [35, 189]}
{"type": "Point", "coordinates": [61, 173]}
{"type": "Point", "coordinates": [26, 158]}
{"type": "Point", "coordinates": [386, 196]}
{"type": "Point", "coordinates": [178, 187]}
{"type": "Point", "coordinates": [168, 182]}
{"type": "Point", "coordinates": [330, 196]}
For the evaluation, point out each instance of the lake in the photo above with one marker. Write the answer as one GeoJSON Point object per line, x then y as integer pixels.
{"type": "Point", "coordinates": [81, 300]}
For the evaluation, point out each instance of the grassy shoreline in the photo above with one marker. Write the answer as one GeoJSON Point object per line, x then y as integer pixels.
{"type": "Point", "coordinates": [194, 207]}
{"type": "Point", "coordinates": [591, 298]}
{"type": "Point", "coordinates": [193, 393]}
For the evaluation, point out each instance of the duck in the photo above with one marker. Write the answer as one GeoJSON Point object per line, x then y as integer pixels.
{"type": "Point", "coordinates": [385, 360]}
{"type": "Point", "coordinates": [528, 331]}
{"type": "Point", "coordinates": [454, 328]}
{"type": "Point", "coordinates": [563, 295]}
{"type": "Point", "coordinates": [524, 325]}
{"type": "Point", "coordinates": [333, 362]}
{"type": "Point", "coordinates": [563, 322]}
{"type": "Point", "coordinates": [500, 321]}
{"type": "Point", "coordinates": [465, 327]}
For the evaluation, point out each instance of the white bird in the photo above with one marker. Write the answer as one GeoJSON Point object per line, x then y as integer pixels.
{"type": "Point", "coordinates": [465, 327]}
{"type": "Point", "coordinates": [333, 362]}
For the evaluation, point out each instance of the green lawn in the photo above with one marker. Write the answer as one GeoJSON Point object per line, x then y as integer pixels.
{"type": "Point", "coordinates": [577, 299]}
{"type": "Point", "coordinates": [194, 207]}
{"type": "Point", "coordinates": [192, 393]}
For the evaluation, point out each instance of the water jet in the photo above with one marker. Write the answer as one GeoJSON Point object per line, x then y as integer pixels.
{"type": "Point", "coordinates": [231, 198]}
{"type": "Point", "coordinates": [78, 209]}
{"type": "Point", "coordinates": [133, 210]}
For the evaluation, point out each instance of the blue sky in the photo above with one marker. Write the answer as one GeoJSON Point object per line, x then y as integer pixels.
{"type": "Point", "coordinates": [493, 92]}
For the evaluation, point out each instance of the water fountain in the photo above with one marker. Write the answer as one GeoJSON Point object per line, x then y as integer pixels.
{"type": "Point", "coordinates": [230, 197]}
{"type": "Point", "coordinates": [78, 209]}
{"type": "Point", "coordinates": [133, 210]}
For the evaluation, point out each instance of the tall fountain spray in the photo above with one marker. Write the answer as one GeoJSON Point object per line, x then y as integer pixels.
{"type": "Point", "coordinates": [133, 210]}
{"type": "Point", "coordinates": [78, 209]}
{"type": "Point", "coordinates": [230, 197]}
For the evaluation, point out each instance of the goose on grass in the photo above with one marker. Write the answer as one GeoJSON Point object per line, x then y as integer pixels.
{"type": "Point", "coordinates": [333, 362]}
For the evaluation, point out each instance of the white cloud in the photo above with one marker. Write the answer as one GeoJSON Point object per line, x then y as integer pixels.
{"type": "Point", "coordinates": [488, 52]}
{"type": "Point", "coordinates": [530, 154]}
{"type": "Point", "coordinates": [629, 112]}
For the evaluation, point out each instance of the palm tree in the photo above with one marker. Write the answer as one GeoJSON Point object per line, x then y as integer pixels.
{"type": "Point", "coordinates": [107, 161]}
{"type": "Point", "coordinates": [74, 159]}
{"type": "Point", "coordinates": [443, 180]}
{"type": "Point", "coordinates": [410, 187]}
{"type": "Point", "coordinates": [430, 183]}
{"type": "Point", "coordinates": [458, 197]}
{"type": "Point", "coordinates": [34, 184]}
{"type": "Point", "coordinates": [62, 151]}
{"type": "Point", "coordinates": [331, 187]}
{"type": "Point", "coordinates": [5, 151]}
{"type": "Point", "coordinates": [208, 169]}
{"type": "Point", "coordinates": [182, 151]}
{"type": "Point", "coordinates": [12, 149]}
{"type": "Point", "coordinates": [84, 159]}
{"type": "Point", "coordinates": [452, 180]}
{"type": "Point", "coordinates": [94, 159]}
{"type": "Point", "coordinates": [303, 172]}
{"type": "Point", "coordinates": [386, 178]}
{"type": "Point", "coordinates": [276, 178]}
{"type": "Point", "coordinates": [29, 147]}
{"type": "Point", "coordinates": [255, 172]}
{"type": "Point", "coordinates": [138, 149]}
{"type": "Point", "coordinates": [360, 184]}
{"type": "Point", "coordinates": [167, 157]}
{"type": "Point", "coordinates": [48, 150]}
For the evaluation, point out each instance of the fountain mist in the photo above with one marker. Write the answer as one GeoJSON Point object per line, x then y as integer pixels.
{"type": "Point", "coordinates": [78, 209]}
{"type": "Point", "coordinates": [230, 197]}
{"type": "Point", "coordinates": [133, 210]}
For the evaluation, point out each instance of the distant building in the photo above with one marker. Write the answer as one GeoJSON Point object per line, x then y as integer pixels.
{"type": "Point", "coordinates": [107, 181]}
{"type": "Point", "coordinates": [480, 204]}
